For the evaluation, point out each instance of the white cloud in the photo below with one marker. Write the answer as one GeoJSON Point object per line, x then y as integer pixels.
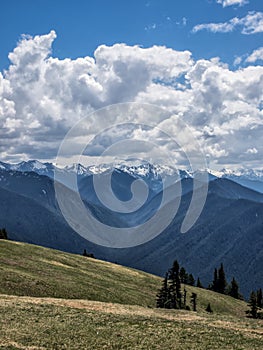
{"type": "Point", "coordinates": [151, 27]}
{"type": "Point", "coordinates": [237, 61]}
{"type": "Point", "coordinates": [226, 3]}
{"type": "Point", "coordinates": [252, 23]}
{"type": "Point", "coordinates": [257, 55]}
{"type": "Point", "coordinates": [217, 27]}
{"type": "Point", "coordinates": [252, 151]}
{"type": "Point", "coordinates": [41, 97]}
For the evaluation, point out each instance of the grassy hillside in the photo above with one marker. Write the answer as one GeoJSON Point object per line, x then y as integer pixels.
{"type": "Point", "coordinates": [36, 271]}
{"type": "Point", "coordinates": [31, 270]}
{"type": "Point", "coordinates": [54, 300]}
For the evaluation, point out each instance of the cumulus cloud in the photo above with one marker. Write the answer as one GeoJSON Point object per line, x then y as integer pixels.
{"type": "Point", "coordinates": [257, 55]}
{"type": "Point", "coordinates": [252, 23]}
{"type": "Point", "coordinates": [226, 3]}
{"type": "Point", "coordinates": [42, 97]}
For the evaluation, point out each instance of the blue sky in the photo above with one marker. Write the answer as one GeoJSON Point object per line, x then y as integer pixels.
{"type": "Point", "coordinates": [82, 26]}
{"type": "Point", "coordinates": [201, 60]}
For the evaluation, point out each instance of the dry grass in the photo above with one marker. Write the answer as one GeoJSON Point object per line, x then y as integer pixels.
{"type": "Point", "coordinates": [50, 323]}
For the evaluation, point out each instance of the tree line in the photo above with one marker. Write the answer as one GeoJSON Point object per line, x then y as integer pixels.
{"type": "Point", "coordinates": [171, 296]}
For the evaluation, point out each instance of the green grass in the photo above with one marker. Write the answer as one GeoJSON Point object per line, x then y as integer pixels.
{"type": "Point", "coordinates": [36, 271]}
{"type": "Point", "coordinates": [40, 272]}
{"type": "Point", "coordinates": [54, 300]}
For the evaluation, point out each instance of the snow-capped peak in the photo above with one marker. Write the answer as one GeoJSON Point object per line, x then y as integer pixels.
{"type": "Point", "coordinates": [4, 166]}
{"type": "Point", "coordinates": [245, 173]}
{"type": "Point", "coordinates": [77, 168]}
{"type": "Point", "coordinates": [31, 165]}
{"type": "Point", "coordinates": [134, 167]}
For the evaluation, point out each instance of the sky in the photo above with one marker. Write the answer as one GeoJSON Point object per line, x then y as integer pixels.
{"type": "Point", "coordinates": [201, 60]}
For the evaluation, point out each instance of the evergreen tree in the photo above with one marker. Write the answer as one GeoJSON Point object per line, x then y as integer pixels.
{"type": "Point", "coordinates": [214, 286]}
{"type": "Point", "coordinates": [85, 253]}
{"type": "Point", "coordinates": [163, 294]}
{"type": "Point", "coordinates": [170, 294]}
{"type": "Point", "coordinates": [194, 300]}
{"type": "Point", "coordinates": [253, 305]}
{"type": "Point", "coordinates": [198, 283]}
{"type": "Point", "coordinates": [208, 308]}
{"type": "Point", "coordinates": [3, 233]}
{"type": "Point", "coordinates": [185, 292]}
{"type": "Point", "coordinates": [234, 289]}
{"type": "Point", "coordinates": [222, 283]}
{"type": "Point", "coordinates": [89, 255]}
{"type": "Point", "coordinates": [172, 290]}
{"type": "Point", "coordinates": [259, 298]}
{"type": "Point", "coordinates": [183, 275]}
{"type": "Point", "coordinates": [191, 280]}
{"type": "Point", "coordinates": [175, 286]}
{"type": "Point", "coordinates": [178, 288]}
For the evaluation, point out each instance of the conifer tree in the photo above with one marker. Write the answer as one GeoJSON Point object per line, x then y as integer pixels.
{"type": "Point", "coordinates": [170, 294]}
{"type": "Point", "coordinates": [163, 294]}
{"type": "Point", "coordinates": [222, 283]}
{"type": "Point", "coordinates": [198, 283]}
{"type": "Point", "coordinates": [215, 281]}
{"type": "Point", "coordinates": [253, 305]}
{"type": "Point", "coordinates": [172, 290]}
{"type": "Point", "coordinates": [194, 300]}
{"type": "Point", "coordinates": [175, 286]}
{"type": "Point", "coordinates": [3, 233]}
{"type": "Point", "coordinates": [183, 275]}
{"type": "Point", "coordinates": [234, 289]}
{"type": "Point", "coordinates": [178, 289]}
{"type": "Point", "coordinates": [191, 280]}
{"type": "Point", "coordinates": [208, 308]}
{"type": "Point", "coordinates": [185, 293]}
{"type": "Point", "coordinates": [259, 298]}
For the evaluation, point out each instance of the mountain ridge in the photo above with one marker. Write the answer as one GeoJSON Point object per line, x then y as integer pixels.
{"type": "Point", "coordinates": [249, 178]}
{"type": "Point", "coordinates": [228, 230]}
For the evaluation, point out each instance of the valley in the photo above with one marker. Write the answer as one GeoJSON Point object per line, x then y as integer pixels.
{"type": "Point", "coordinates": [228, 230]}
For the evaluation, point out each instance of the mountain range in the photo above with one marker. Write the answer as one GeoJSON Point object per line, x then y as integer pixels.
{"type": "Point", "coordinates": [229, 229]}
{"type": "Point", "coordinates": [246, 177]}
